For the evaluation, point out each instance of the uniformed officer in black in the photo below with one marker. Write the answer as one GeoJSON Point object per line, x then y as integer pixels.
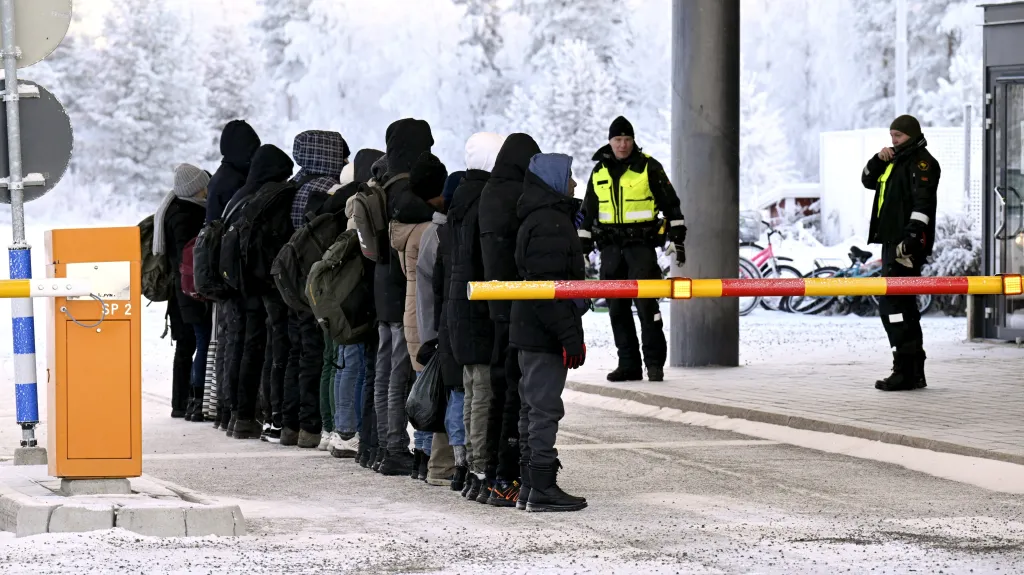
{"type": "Point", "coordinates": [905, 178]}
{"type": "Point", "coordinates": [626, 191]}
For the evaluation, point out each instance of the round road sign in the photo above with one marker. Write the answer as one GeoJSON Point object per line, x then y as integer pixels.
{"type": "Point", "coordinates": [46, 142]}
{"type": "Point", "coordinates": [39, 27]}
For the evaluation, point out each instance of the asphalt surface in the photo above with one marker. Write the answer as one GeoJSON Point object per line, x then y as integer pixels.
{"type": "Point", "coordinates": [664, 498]}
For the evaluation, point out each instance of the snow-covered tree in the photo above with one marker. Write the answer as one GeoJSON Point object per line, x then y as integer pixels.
{"type": "Point", "coordinates": [602, 24]}
{"type": "Point", "coordinates": [230, 80]}
{"type": "Point", "coordinates": [765, 159]}
{"type": "Point", "coordinates": [944, 106]}
{"type": "Point", "coordinates": [568, 108]}
{"type": "Point", "coordinates": [280, 70]}
{"type": "Point", "coordinates": [481, 49]}
{"type": "Point", "coordinates": [957, 252]}
{"type": "Point", "coordinates": [148, 109]}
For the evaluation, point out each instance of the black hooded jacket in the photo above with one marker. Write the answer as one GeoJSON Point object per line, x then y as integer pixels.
{"type": "Point", "coordinates": [407, 139]}
{"type": "Point", "coordinates": [910, 197]}
{"type": "Point", "coordinates": [238, 143]}
{"type": "Point", "coordinates": [269, 164]}
{"type": "Point", "coordinates": [547, 248]}
{"type": "Point", "coordinates": [469, 323]}
{"type": "Point", "coordinates": [499, 222]}
{"type": "Point", "coordinates": [182, 222]}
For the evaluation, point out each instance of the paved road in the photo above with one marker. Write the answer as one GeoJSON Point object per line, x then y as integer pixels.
{"type": "Point", "coordinates": [665, 498]}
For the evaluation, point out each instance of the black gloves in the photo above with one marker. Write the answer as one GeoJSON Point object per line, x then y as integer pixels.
{"type": "Point", "coordinates": [574, 355]}
{"type": "Point", "coordinates": [677, 237]}
{"type": "Point", "coordinates": [911, 248]}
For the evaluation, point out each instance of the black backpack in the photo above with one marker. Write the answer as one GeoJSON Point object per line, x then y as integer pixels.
{"type": "Point", "coordinates": [229, 266]}
{"type": "Point", "coordinates": [306, 247]}
{"type": "Point", "coordinates": [206, 262]}
{"type": "Point", "coordinates": [157, 277]}
{"type": "Point", "coordinates": [337, 294]}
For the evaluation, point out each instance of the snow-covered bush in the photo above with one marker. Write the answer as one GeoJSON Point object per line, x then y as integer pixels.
{"type": "Point", "coordinates": [797, 225]}
{"type": "Point", "coordinates": [957, 252]}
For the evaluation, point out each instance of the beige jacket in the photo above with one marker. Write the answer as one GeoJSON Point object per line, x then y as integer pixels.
{"type": "Point", "coordinates": [405, 238]}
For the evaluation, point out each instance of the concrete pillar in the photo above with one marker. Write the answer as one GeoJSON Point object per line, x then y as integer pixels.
{"type": "Point", "coordinates": [705, 173]}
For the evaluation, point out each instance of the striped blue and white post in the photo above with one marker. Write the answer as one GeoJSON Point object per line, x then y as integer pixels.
{"type": "Point", "coordinates": [26, 396]}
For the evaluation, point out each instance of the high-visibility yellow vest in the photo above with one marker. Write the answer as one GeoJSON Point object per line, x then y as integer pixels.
{"type": "Point", "coordinates": [630, 202]}
{"type": "Point", "coordinates": [881, 190]}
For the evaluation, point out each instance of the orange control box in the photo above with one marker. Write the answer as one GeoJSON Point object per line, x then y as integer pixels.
{"type": "Point", "coordinates": [94, 375]}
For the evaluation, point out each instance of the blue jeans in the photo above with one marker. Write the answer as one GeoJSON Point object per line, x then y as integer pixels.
{"type": "Point", "coordinates": [453, 418]}
{"type": "Point", "coordinates": [352, 360]}
{"type": "Point", "coordinates": [203, 332]}
{"type": "Point", "coordinates": [422, 440]}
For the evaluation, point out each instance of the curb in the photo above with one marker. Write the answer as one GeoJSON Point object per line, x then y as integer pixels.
{"type": "Point", "coordinates": [795, 422]}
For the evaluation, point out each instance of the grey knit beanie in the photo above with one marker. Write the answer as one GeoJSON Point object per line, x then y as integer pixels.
{"type": "Point", "coordinates": [189, 181]}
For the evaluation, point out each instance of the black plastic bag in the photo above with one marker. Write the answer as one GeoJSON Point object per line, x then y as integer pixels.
{"type": "Point", "coordinates": [428, 401]}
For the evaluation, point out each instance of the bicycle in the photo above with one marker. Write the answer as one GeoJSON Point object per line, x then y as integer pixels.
{"type": "Point", "coordinates": [769, 267]}
{"type": "Point", "coordinates": [748, 270]}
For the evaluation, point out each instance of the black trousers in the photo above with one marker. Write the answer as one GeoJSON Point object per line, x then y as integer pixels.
{"type": "Point", "coordinates": [184, 349]}
{"type": "Point", "coordinates": [899, 314]}
{"type": "Point", "coordinates": [250, 376]}
{"type": "Point", "coordinates": [280, 346]}
{"type": "Point", "coordinates": [302, 402]}
{"type": "Point", "coordinates": [503, 441]}
{"type": "Point", "coordinates": [635, 261]}
{"type": "Point", "coordinates": [368, 430]}
{"type": "Point", "coordinates": [543, 382]}
{"type": "Point", "coordinates": [221, 355]}
{"type": "Point", "coordinates": [233, 350]}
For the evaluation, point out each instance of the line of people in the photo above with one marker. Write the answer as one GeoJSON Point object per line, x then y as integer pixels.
{"type": "Point", "coordinates": [319, 348]}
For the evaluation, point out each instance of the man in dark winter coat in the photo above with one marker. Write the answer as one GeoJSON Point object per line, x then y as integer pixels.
{"type": "Point", "coordinates": [547, 333]}
{"type": "Point", "coordinates": [905, 178]}
{"type": "Point", "coordinates": [469, 323]}
{"type": "Point", "coordinates": [181, 218]}
{"type": "Point", "coordinates": [238, 143]}
{"type": "Point", "coordinates": [407, 140]}
{"type": "Point", "coordinates": [451, 371]}
{"type": "Point", "coordinates": [499, 225]}
{"type": "Point", "coordinates": [321, 157]}
{"type": "Point", "coordinates": [626, 191]}
{"type": "Point", "coordinates": [270, 165]}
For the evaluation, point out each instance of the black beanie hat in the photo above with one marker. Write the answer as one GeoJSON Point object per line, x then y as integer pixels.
{"type": "Point", "coordinates": [620, 127]}
{"type": "Point", "coordinates": [427, 177]}
{"type": "Point", "coordinates": [908, 125]}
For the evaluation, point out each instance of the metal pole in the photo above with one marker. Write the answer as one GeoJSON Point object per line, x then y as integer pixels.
{"type": "Point", "coordinates": [967, 158]}
{"type": "Point", "coordinates": [23, 322]}
{"type": "Point", "coordinates": [705, 171]}
{"type": "Point", "coordinates": [901, 57]}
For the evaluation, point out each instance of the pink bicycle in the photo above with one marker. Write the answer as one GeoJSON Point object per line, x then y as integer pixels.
{"type": "Point", "coordinates": [767, 264]}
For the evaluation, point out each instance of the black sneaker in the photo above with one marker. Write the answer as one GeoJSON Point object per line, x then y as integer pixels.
{"type": "Point", "coordinates": [271, 434]}
{"type": "Point", "coordinates": [625, 374]}
{"type": "Point", "coordinates": [459, 480]}
{"type": "Point", "coordinates": [504, 493]}
{"type": "Point", "coordinates": [397, 463]}
{"type": "Point", "coordinates": [656, 374]}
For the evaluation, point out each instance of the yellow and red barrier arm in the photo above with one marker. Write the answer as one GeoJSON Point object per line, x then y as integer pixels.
{"type": "Point", "coordinates": [684, 288]}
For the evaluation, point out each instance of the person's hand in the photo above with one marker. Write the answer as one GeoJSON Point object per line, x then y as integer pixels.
{"type": "Point", "coordinates": [574, 355]}
{"type": "Point", "coordinates": [676, 234]}
{"type": "Point", "coordinates": [887, 154]}
{"type": "Point", "coordinates": [679, 251]}
{"type": "Point", "coordinates": [903, 255]}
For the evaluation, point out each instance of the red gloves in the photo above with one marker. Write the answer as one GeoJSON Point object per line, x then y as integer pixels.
{"type": "Point", "coordinates": [573, 356]}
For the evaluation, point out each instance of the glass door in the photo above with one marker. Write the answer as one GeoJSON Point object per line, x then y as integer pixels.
{"type": "Point", "coordinates": [1008, 206]}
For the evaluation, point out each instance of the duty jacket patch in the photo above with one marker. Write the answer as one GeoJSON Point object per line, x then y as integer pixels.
{"type": "Point", "coordinates": [922, 165]}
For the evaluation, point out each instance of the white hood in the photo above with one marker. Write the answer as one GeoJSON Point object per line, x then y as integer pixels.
{"type": "Point", "coordinates": [348, 174]}
{"type": "Point", "coordinates": [482, 150]}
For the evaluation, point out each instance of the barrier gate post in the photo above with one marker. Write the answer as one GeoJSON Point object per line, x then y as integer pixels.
{"type": "Point", "coordinates": [95, 360]}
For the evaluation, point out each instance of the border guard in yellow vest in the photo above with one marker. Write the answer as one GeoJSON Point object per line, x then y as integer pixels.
{"type": "Point", "coordinates": [626, 192]}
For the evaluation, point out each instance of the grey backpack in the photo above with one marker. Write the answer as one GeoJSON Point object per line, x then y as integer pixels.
{"type": "Point", "coordinates": [338, 293]}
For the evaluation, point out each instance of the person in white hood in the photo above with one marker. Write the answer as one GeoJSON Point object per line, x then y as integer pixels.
{"type": "Point", "coordinates": [469, 323]}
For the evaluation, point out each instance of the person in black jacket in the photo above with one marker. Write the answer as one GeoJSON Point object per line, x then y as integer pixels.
{"type": "Point", "coordinates": [905, 178]}
{"type": "Point", "coordinates": [451, 371]}
{"type": "Point", "coordinates": [178, 221]}
{"type": "Point", "coordinates": [238, 143]}
{"type": "Point", "coordinates": [499, 225]}
{"type": "Point", "coordinates": [469, 324]}
{"type": "Point", "coordinates": [248, 342]}
{"type": "Point", "coordinates": [547, 333]}
{"type": "Point", "coordinates": [407, 140]}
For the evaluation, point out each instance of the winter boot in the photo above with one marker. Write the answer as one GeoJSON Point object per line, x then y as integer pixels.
{"type": "Point", "coordinates": [231, 423]}
{"type": "Point", "coordinates": [309, 440]}
{"type": "Point", "coordinates": [902, 377]}
{"type": "Point", "coordinates": [424, 462]}
{"type": "Point", "coordinates": [486, 486]}
{"type": "Point", "coordinates": [626, 374]}
{"type": "Point", "coordinates": [247, 429]}
{"type": "Point", "coordinates": [524, 489]}
{"type": "Point", "coordinates": [225, 419]}
{"type": "Point", "coordinates": [382, 456]}
{"type": "Point", "coordinates": [474, 487]}
{"type": "Point", "coordinates": [397, 463]}
{"type": "Point", "coordinates": [656, 374]}
{"type": "Point", "coordinates": [218, 420]}
{"type": "Point", "coordinates": [417, 457]}
{"type": "Point", "coordinates": [191, 409]}
{"type": "Point", "coordinates": [289, 437]}
{"type": "Point", "coordinates": [459, 480]}
{"type": "Point", "coordinates": [178, 413]}
{"type": "Point", "coordinates": [919, 380]}
{"type": "Point", "coordinates": [504, 493]}
{"type": "Point", "coordinates": [197, 412]}
{"type": "Point", "coordinates": [546, 495]}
